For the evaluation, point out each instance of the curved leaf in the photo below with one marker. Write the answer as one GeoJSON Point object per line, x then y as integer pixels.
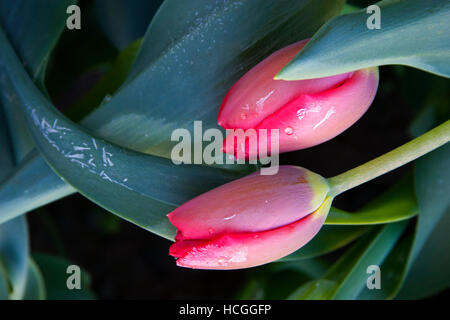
{"type": "Point", "coordinates": [353, 279]}
{"type": "Point", "coordinates": [54, 273]}
{"type": "Point", "coordinates": [341, 227]}
{"type": "Point", "coordinates": [20, 139]}
{"type": "Point", "coordinates": [38, 186]}
{"type": "Point", "coordinates": [35, 286]}
{"type": "Point", "coordinates": [328, 239]}
{"type": "Point", "coordinates": [23, 20]}
{"type": "Point", "coordinates": [432, 190]}
{"type": "Point", "coordinates": [6, 156]}
{"type": "Point", "coordinates": [413, 33]}
{"type": "Point", "coordinates": [418, 256]}
{"type": "Point", "coordinates": [198, 49]}
{"type": "Point", "coordinates": [393, 271]}
{"type": "Point", "coordinates": [314, 290]}
{"type": "Point", "coordinates": [107, 84]}
{"type": "Point", "coordinates": [431, 234]}
{"type": "Point", "coordinates": [14, 255]}
{"type": "Point", "coordinates": [429, 274]}
{"type": "Point", "coordinates": [244, 41]}
{"type": "Point", "coordinates": [18, 18]}
{"type": "Point", "coordinates": [4, 289]}
{"type": "Point", "coordinates": [134, 17]}
{"type": "Point", "coordinates": [274, 280]}
{"type": "Point", "coordinates": [102, 171]}
{"type": "Point", "coordinates": [347, 277]}
{"type": "Point", "coordinates": [396, 204]}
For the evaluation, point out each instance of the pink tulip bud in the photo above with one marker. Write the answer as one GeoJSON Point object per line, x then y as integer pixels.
{"type": "Point", "coordinates": [306, 112]}
{"type": "Point", "coordinates": [250, 221]}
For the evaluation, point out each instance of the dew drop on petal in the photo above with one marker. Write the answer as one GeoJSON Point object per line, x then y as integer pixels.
{"type": "Point", "coordinates": [301, 113]}
{"type": "Point", "coordinates": [289, 131]}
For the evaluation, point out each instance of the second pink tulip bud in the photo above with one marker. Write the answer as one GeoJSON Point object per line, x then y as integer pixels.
{"type": "Point", "coordinates": [306, 112]}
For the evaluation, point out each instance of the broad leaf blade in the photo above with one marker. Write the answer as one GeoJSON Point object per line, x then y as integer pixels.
{"type": "Point", "coordinates": [37, 183]}
{"type": "Point", "coordinates": [134, 17]}
{"type": "Point", "coordinates": [396, 204]}
{"type": "Point", "coordinates": [35, 286]}
{"type": "Point", "coordinates": [4, 289]}
{"type": "Point", "coordinates": [431, 237]}
{"type": "Point", "coordinates": [191, 55]}
{"type": "Point", "coordinates": [274, 280]}
{"type": "Point", "coordinates": [14, 255]}
{"type": "Point", "coordinates": [103, 172]}
{"type": "Point", "coordinates": [54, 273]}
{"type": "Point", "coordinates": [353, 280]}
{"type": "Point", "coordinates": [328, 239]}
{"type": "Point", "coordinates": [106, 85]}
{"type": "Point", "coordinates": [22, 22]}
{"type": "Point", "coordinates": [413, 33]}
{"type": "Point", "coordinates": [257, 38]}
{"type": "Point", "coordinates": [393, 271]}
{"type": "Point", "coordinates": [33, 27]}
{"type": "Point", "coordinates": [21, 142]}
{"type": "Point", "coordinates": [347, 277]}
{"type": "Point", "coordinates": [432, 189]}
{"type": "Point", "coordinates": [6, 154]}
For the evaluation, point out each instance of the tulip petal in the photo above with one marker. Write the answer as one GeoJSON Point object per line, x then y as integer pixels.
{"type": "Point", "coordinates": [305, 112]}
{"type": "Point", "coordinates": [257, 95]}
{"type": "Point", "coordinates": [313, 119]}
{"type": "Point", "coordinates": [251, 204]}
{"type": "Point", "coordinates": [244, 250]}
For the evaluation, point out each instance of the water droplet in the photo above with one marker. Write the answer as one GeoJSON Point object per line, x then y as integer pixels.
{"type": "Point", "coordinates": [289, 131]}
{"type": "Point", "coordinates": [230, 217]}
{"type": "Point", "coordinates": [211, 230]}
{"type": "Point", "coordinates": [222, 262]}
{"type": "Point", "coordinates": [301, 113]}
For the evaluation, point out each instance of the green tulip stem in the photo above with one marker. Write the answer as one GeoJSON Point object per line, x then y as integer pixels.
{"type": "Point", "coordinates": [391, 160]}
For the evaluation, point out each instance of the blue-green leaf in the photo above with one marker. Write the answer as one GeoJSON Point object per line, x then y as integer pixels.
{"type": "Point", "coordinates": [107, 85]}
{"type": "Point", "coordinates": [396, 204]}
{"type": "Point", "coordinates": [4, 288]}
{"type": "Point", "coordinates": [191, 55]}
{"type": "Point", "coordinates": [35, 286]}
{"type": "Point", "coordinates": [6, 156]}
{"type": "Point", "coordinates": [134, 17]}
{"type": "Point", "coordinates": [393, 271]}
{"type": "Point", "coordinates": [328, 239]}
{"type": "Point", "coordinates": [14, 255]}
{"type": "Point", "coordinates": [347, 277]}
{"type": "Point", "coordinates": [23, 21]}
{"type": "Point", "coordinates": [38, 186]}
{"type": "Point", "coordinates": [33, 28]}
{"type": "Point", "coordinates": [413, 33]}
{"type": "Point", "coordinates": [432, 190]}
{"type": "Point", "coordinates": [103, 172]}
{"type": "Point", "coordinates": [273, 281]}
{"type": "Point", "coordinates": [228, 44]}
{"type": "Point", "coordinates": [54, 273]}
{"type": "Point", "coordinates": [431, 237]}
